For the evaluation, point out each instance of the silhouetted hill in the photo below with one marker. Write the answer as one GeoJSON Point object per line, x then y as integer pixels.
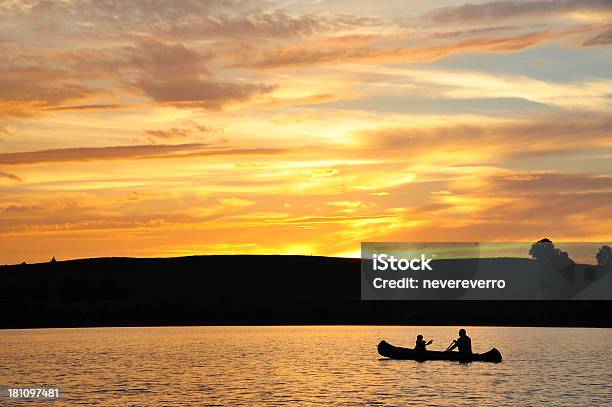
{"type": "Point", "coordinates": [217, 290]}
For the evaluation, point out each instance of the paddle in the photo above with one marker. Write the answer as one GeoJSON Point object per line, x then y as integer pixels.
{"type": "Point", "coordinates": [449, 346]}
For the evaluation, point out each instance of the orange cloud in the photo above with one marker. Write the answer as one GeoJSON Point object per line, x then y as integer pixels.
{"type": "Point", "coordinates": [503, 10]}
{"type": "Point", "coordinates": [318, 53]}
{"type": "Point", "coordinates": [551, 135]}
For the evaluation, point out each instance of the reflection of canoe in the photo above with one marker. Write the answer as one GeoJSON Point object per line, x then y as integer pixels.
{"type": "Point", "coordinates": [395, 352]}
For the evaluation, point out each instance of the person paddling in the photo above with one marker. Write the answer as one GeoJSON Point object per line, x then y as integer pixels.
{"type": "Point", "coordinates": [421, 345]}
{"type": "Point", "coordinates": [463, 343]}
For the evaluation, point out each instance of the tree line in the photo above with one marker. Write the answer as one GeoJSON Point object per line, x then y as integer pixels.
{"type": "Point", "coordinates": [545, 250]}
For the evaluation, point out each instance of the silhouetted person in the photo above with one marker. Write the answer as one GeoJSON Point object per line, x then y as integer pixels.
{"type": "Point", "coordinates": [421, 345]}
{"type": "Point", "coordinates": [463, 343]}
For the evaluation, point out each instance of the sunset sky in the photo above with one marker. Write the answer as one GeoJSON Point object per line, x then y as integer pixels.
{"type": "Point", "coordinates": [166, 128]}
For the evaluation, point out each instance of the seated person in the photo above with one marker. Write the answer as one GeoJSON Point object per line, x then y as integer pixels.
{"type": "Point", "coordinates": [421, 345]}
{"type": "Point", "coordinates": [463, 343]}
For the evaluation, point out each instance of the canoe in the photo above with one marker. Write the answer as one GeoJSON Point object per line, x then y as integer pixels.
{"type": "Point", "coordinates": [395, 352]}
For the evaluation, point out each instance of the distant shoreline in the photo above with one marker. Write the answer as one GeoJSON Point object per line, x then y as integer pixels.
{"type": "Point", "coordinates": [245, 290]}
{"type": "Point", "coordinates": [299, 325]}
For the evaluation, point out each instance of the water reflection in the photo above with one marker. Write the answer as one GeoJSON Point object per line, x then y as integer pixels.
{"type": "Point", "coordinates": [315, 365]}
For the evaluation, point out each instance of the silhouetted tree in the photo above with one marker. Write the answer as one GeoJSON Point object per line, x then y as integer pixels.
{"type": "Point", "coordinates": [545, 250]}
{"type": "Point", "coordinates": [53, 260]}
{"type": "Point", "coordinates": [604, 256]}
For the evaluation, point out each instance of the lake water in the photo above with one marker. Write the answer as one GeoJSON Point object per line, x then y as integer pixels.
{"type": "Point", "coordinates": [298, 365]}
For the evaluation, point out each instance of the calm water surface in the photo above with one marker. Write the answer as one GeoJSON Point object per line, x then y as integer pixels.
{"type": "Point", "coordinates": [305, 365]}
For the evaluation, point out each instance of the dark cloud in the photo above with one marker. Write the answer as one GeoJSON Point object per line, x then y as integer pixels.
{"type": "Point", "coordinates": [154, 58]}
{"type": "Point", "coordinates": [547, 136]}
{"type": "Point", "coordinates": [181, 132]}
{"type": "Point", "coordinates": [107, 106]}
{"type": "Point", "coordinates": [147, 151]}
{"type": "Point", "coordinates": [38, 84]}
{"type": "Point", "coordinates": [165, 72]}
{"type": "Point", "coordinates": [604, 38]}
{"type": "Point", "coordinates": [207, 94]}
{"type": "Point", "coordinates": [172, 133]}
{"type": "Point", "coordinates": [20, 208]}
{"type": "Point", "coordinates": [276, 24]}
{"type": "Point", "coordinates": [179, 19]}
{"type": "Point", "coordinates": [237, 151]}
{"type": "Point", "coordinates": [29, 82]}
{"type": "Point", "coordinates": [8, 175]}
{"type": "Point", "coordinates": [95, 153]}
{"type": "Point", "coordinates": [539, 183]}
{"type": "Point", "coordinates": [503, 9]}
